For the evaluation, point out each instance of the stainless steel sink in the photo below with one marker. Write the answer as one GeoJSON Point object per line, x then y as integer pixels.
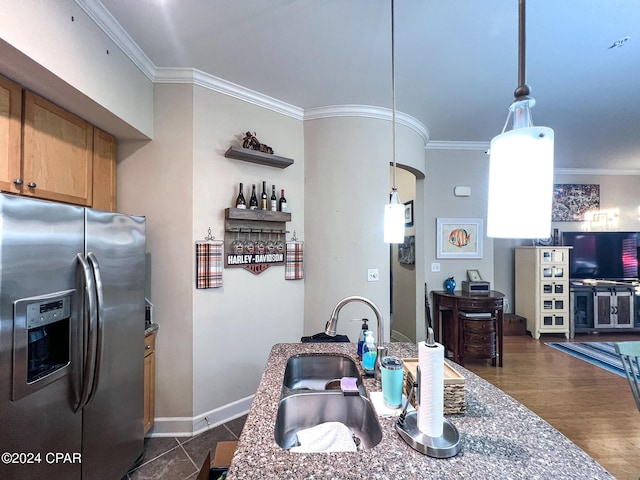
{"type": "Point", "coordinates": [304, 410]}
{"type": "Point", "coordinates": [320, 372]}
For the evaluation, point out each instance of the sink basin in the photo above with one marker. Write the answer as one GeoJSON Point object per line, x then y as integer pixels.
{"type": "Point", "coordinates": [320, 372]}
{"type": "Point", "coordinates": [309, 409]}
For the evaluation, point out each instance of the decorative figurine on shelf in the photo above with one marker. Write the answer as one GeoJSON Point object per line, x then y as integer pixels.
{"type": "Point", "coordinates": [450, 284]}
{"type": "Point", "coordinates": [251, 142]}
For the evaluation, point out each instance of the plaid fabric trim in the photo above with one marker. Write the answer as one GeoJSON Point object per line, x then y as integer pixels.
{"type": "Point", "coordinates": [208, 264]}
{"type": "Point", "coordinates": [294, 264]}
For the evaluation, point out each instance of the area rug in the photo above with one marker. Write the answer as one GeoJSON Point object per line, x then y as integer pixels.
{"type": "Point", "coordinates": [601, 354]}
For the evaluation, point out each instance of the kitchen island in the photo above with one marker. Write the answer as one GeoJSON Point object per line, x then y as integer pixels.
{"type": "Point", "coordinates": [500, 437]}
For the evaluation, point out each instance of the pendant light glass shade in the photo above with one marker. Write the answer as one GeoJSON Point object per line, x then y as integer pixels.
{"type": "Point", "coordinates": [521, 165]}
{"type": "Point", "coordinates": [394, 220]}
{"type": "Point", "coordinates": [521, 184]}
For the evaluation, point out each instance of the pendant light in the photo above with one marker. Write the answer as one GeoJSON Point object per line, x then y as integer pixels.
{"type": "Point", "coordinates": [521, 165]}
{"type": "Point", "coordinates": [394, 210]}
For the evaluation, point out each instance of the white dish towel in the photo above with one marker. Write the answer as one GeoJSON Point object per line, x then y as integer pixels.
{"type": "Point", "coordinates": [382, 410]}
{"type": "Point", "coordinates": [325, 437]}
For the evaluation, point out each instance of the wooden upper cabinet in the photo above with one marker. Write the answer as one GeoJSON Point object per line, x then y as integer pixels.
{"type": "Point", "coordinates": [10, 135]}
{"type": "Point", "coordinates": [104, 170]}
{"type": "Point", "coordinates": [57, 153]}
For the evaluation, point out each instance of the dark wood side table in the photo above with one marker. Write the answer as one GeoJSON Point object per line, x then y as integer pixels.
{"type": "Point", "coordinates": [454, 310]}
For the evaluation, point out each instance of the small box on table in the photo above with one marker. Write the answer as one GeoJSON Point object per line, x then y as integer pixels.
{"type": "Point", "coordinates": [478, 287]}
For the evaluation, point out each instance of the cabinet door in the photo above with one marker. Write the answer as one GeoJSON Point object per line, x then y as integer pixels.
{"type": "Point", "coordinates": [582, 309]}
{"type": "Point", "coordinates": [104, 171]}
{"type": "Point", "coordinates": [149, 381]}
{"type": "Point", "coordinates": [624, 310]}
{"type": "Point", "coordinates": [57, 153]}
{"type": "Point", "coordinates": [602, 311]}
{"type": "Point", "coordinates": [10, 135]}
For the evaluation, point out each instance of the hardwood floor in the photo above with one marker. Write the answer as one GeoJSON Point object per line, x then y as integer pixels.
{"type": "Point", "coordinates": [591, 406]}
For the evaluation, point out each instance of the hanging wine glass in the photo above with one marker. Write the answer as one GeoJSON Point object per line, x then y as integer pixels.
{"type": "Point", "coordinates": [279, 245]}
{"type": "Point", "coordinates": [270, 246]}
{"type": "Point", "coordinates": [237, 246]}
{"type": "Point", "coordinates": [249, 246]}
{"type": "Point", "coordinates": [261, 246]}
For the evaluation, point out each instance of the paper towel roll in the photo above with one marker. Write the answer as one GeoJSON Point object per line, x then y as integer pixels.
{"type": "Point", "coordinates": [431, 406]}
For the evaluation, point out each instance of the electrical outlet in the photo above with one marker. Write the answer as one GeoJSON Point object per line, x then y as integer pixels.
{"type": "Point", "coordinates": [373, 275]}
{"type": "Point", "coordinates": [435, 267]}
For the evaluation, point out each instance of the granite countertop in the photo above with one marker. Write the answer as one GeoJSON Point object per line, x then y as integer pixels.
{"type": "Point", "coordinates": [150, 328]}
{"type": "Point", "coordinates": [500, 437]}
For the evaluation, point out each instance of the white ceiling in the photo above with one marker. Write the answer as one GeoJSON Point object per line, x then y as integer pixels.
{"type": "Point", "coordinates": [456, 61]}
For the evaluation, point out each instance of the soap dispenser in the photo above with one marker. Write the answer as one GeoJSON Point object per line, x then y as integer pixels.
{"type": "Point", "coordinates": [369, 352]}
{"type": "Point", "coordinates": [365, 327]}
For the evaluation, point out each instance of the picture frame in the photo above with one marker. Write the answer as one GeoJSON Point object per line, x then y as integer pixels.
{"type": "Point", "coordinates": [573, 201]}
{"type": "Point", "coordinates": [474, 276]}
{"type": "Point", "coordinates": [459, 238]}
{"type": "Point", "coordinates": [408, 213]}
{"type": "Point", "coordinates": [407, 250]}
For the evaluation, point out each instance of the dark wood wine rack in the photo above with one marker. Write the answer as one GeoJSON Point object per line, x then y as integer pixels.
{"type": "Point", "coordinates": [246, 225]}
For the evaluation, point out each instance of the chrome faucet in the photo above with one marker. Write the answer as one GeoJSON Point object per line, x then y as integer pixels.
{"type": "Point", "coordinates": [332, 324]}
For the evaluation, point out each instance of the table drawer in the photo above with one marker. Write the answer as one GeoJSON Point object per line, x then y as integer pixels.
{"type": "Point", "coordinates": [479, 326]}
{"type": "Point", "coordinates": [484, 351]}
{"type": "Point", "coordinates": [479, 338]}
{"type": "Point", "coordinates": [479, 304]}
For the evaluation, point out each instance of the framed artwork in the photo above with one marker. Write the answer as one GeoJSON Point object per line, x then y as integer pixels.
{"type": "Point", "coordinates": [474, 276]}
{"type": "Point", "coordinates": [572, 201]}
{"type": "Point", "coordinates": [407, 250]}
{"type": "Point", "coordinates": [408, 213]}
{"type": "Point", "coordinates": [459, 238]}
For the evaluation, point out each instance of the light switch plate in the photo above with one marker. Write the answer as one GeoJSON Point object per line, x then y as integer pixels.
{"type": "Point", "coordinates": [435, 267]}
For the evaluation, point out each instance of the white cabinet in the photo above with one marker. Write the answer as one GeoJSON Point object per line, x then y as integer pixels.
{"type": "Point", "coordinates": [542, 289]}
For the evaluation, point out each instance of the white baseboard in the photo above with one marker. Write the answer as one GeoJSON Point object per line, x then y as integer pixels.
{"type": "Point", "coordinates": [191, 426]}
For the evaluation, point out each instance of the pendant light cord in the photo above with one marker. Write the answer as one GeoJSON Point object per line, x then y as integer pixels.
{"type": "Point", "coordinates": [393, 94]}
{"type": "Point", "coordinates": [523, 90]}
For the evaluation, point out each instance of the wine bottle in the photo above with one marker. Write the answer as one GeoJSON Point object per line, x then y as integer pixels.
{"type": "Point", "coordinates": [274, 200]}
{"type": "Point", "coordinates": [253, 201]}
{"type": "Point", "coordinates": [263, 197]}
{"type": "Point", "coordinates": [283, 201]}
{"type": "Point", "coordinates": [240, 201]}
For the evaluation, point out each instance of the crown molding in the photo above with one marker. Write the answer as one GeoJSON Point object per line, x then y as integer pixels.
{"type": "Point", "coordinates": [457, 145]}
{"type": "Point", "coordinates": [595, 171]}
{"type": "Point", "coordinates": [368, 111]}
{"type": "Point", "coordinates": [211, 82]}
{"type": "Point", "coordinates": [110, 26]}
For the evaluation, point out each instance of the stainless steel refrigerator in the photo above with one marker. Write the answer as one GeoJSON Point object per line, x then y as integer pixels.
{"type": "Point", "coordinates": [71, 341]}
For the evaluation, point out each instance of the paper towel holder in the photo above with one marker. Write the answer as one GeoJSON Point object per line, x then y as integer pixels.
{"type": "Point", "coordinates": [445, 446]}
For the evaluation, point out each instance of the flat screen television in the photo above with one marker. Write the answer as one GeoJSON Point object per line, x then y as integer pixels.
{"type": "Point", "coordinates": [602, 255]}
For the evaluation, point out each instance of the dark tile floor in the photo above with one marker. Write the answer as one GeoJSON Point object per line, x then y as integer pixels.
{"type": "Point", "coordinates": [180, 458]}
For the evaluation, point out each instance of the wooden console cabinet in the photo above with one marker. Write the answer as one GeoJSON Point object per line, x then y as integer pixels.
{"type": "Point", "coordinates": [542, 289]}
{"type": "Point", "coordinates": [603, 306]}
{"type": "Point", "coordinates": [470, 326]}
{"type": "Point", "coordinates": [149, 380]}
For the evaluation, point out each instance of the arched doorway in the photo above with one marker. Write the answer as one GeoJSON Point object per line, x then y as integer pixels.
{"type": "Point", "coordinates": [405, 268]}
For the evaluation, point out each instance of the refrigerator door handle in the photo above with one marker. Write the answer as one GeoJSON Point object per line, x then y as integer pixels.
{"type": "Point", "coordinates": [95, 267]}
{"type": "Point", "coordinates": [89, 333]}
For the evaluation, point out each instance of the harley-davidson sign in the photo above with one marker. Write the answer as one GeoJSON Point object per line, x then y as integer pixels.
{"type": "Point", "coordinates": [252, 259]}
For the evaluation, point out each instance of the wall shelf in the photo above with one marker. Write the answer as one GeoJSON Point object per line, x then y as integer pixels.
{"type": "Point", "coordinates": [256, 238]}
{"type": "Point", "coordinates": [254, 156]}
